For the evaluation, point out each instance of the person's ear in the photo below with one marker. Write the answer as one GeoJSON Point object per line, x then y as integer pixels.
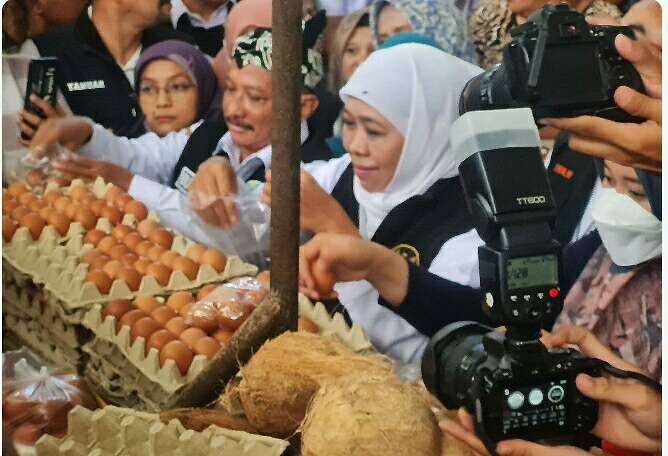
{"type": "Point", "coordinates": [309, 103]}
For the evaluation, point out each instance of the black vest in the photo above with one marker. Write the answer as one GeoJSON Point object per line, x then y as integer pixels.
{"type": "Point", "coordinates": [91, 81]}
{"type": "Point", "coordinates": [418, 227]}
{"type": "Point", "coordinates": [208, 40]}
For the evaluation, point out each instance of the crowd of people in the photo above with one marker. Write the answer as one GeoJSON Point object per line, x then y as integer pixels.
{"type": "Point", "coordinates": [172, 101]}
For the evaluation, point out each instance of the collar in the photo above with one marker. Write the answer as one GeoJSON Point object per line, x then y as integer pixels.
{"type": "Point", "coordinates": [216, 20]}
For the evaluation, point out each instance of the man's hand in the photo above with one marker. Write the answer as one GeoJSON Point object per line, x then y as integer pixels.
{"type": "Point", "coordinates": [79, 166]}
{"type": "Point", "coordinates": [29, 123]}
{"type": "Point", "coordinates": [212, 190]}
{"type": "Point", "coordinates": [70, 132]}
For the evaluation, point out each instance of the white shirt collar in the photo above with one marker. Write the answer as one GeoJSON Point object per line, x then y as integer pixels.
{"type": "Point", "coordinates": [217, 18]}
{"type": "Point", "coordinates": [130, 65]}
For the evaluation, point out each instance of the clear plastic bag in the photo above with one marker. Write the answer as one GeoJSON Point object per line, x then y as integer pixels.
{"type": "Point", "coordinates": [36, 402]}
{"type": "Point", "coordinates": [36, 171]}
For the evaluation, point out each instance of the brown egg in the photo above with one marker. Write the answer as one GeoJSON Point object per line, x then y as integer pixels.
{"type": "Point", "coordinates": [35, 178]}
{"type": "Point", "coordinates": [146, 303]}
{"type": "Point", "coordinates": [176, 326]}
{"type": "Point", "coordinates": [52, 196]}
{"type": "Point", "coordinates": [195, 252]}
{"type": "Point", "coordinates": [17, 189]}
{"type": "Point", "coordinates": [131, 240]}
{"type": "Point", "coordinates": [46, 212]}
{"type": "Point", "coordinates": [101, 280]}
{"type": "Point", "coordinates": [223, 336]}
{"type": "Point", "coordinates": [191, 335]}
{"type": "Point", "coordinates": [26, 198]}
{"type": "Point", "coordinates": [20, 212]}
{"type": "Point", "coordinates": [106, 244]}
{"type": "Point", "coordinates": [207, 346]}
{"type": "Point", "coordinates": [91, 256]}
{"type": "Point", "coordinates": [27, 434]}
{"type": "Point", "coordinates": [117, 308]}
{"type": "Point", "coordinates": [8, 207]}
{"type": "Point", "coordinates": [112, 193]}
{"type": "Point", "coordinates": [117, 251]}
{"type": "Point", "coordinates": [205, 290]}
{"type": "Point", "coordinates": [61, 204]}
{"type": "Point", "coordinates": [178, 352]}
{"type": "Point", "coordinates": [60, 181]}
{"type": "Point", "coordinates": [122, 201]}
{"type": "Point", "coordinates": [8, 228]}
{"type": "Point", "coordinates": [167, 258]}
{"type": "Point", "coordinates": [233, 315]}
{"type": "Point", "coordinates": [129, 259]}
{"type": "Point", "coordinates": [137, 209]}
{"type": "Point", "coordinates": [264, 278]}
{"type": "Point", "coordinates": [159, 339]}
{"type": "Point", "coordinates": [112, 214]}
{"type": "Point", "coordinates": [131, 277]}
{"type": "Point", "coordinates": [214, 258]}
{"type": "Point", "coordinates": [60, 222]}
{"type": "Point", "coordinates": [163, 314]}
{"type": "Point", "coordinates": [120, 231]}
{"type": "Point", "coordinates": [161, 237]}
{"type": "Point", "coordinates": [306, 325]}
{"type": "Point", "coordinates": [99, 263]}
{"type": "Point", "coordinates": [144, 327]}
{"type": "Point", "coordinates": [79, 192]}
{"type": "Point", "coordinates": [185, 309]}
{"type": "Point", "coordinates": [93, 237]}
{"type": "Point", "coordinates": [38, 205]}
{"type": "Point", "coordinates": [86, 218]}
{"type": "Point", "coordinates": [146, 227]}
{"type": "Point", "coordinates": [97, 206]}
{"type": "Point", "coordinates": [155, 252]}
{"type": "Point", "coordinates": [141, 265]}
{"type": "Point", "coordinates": [111, 268]}
{"type": "Point", "coordinates": [160, 272]}
{"type": "Point", "coordinates": [34, 223]}
{"type": "Point", "coordinates": [179, 299]}
{"type": "Point", "coordinates": [130, 318]}
{"type": "Point", "coordinates": [203, 320]}
{"type": "Point", "coordinates": [143, 247]}
{"type": "Point", "coordinates": [6, 197]}
{"type": "Point", "coordinates": [187, 266]}
{"type": "Point", "coordinates": [88, 200]}
{"type": "Point", "coordinates": [72, 209]}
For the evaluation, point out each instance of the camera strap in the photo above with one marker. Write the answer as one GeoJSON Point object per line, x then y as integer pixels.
{"type": "Point", "coordinates": [623, 374]}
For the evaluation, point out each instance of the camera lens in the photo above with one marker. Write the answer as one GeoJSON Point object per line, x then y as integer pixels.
{"type": "Point", "coordinates": [489, 90]}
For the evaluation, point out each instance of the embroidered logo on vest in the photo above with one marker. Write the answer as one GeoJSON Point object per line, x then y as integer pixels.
{"type": "Point", "coordinates": [184, 180]}
{"type": "Point", "coordinates": [77, 86]}
{"type": "Point", "coordinates": [409, 253]}
{"type": "Point", "coordinates": [562, 171]}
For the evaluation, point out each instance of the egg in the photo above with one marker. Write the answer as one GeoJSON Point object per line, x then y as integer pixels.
{"type": "Point", "coordinates": [141, 265]}
{"type": "Point", "coordinates": [179, 299]}
{"type": "Point", "coordinates": [159, 339]}
{"type": "Point", "coordinates": [27, 434]}
{"type": "Point", "coordinates": [155, 252]}
{"type": "Point", "coordinates": [60, 222]}
{"type": "Point", "coordinates": [72, 209]}
{"type": "Point", "coordinates": [163, 314]}
{"type": "Point", "coordinates": [112, 214]}
{"type": "Point", "coordinates": [146, 227]}
{"type": "Point", "coordinates": [99, 263]}
{"type": "Point", "coordinates": [167, 258]}
{"type": "Point", "coordinates": [306, 325]}
{"type": "Point", "coordinates": [129, 259]}
{"type": "Point", "coordinates": [143, 247]}
{"type": "Point", "coordinates": [185, 309]}
{"type": "Point", "coordinates": [191, 335]}
{"type": "Point", "coordinates": [79, 192]}
{"type": "Point", "coordinates": [112, 193]}
{"type": "Point", "coordinates": [106, 244]}
{"type": "Point", "coordinates": [232, 315]}
{"type": "Point", "coordinates": [117, 251]}
{"type": "Point", "coordinates": [161, 237]}
{"type": "Point", "coordinates": [51, 196]}
{"type": "Point", "coordinates": [117, 308]}
{"type": "Point", "coordinates": [131, 240]}
{"type": "Point", "coordinates": [215, 259]}
{"type": "Point", "coordinates": [46, 212]}
{"type": "Point", "coordinates": [26, 198]}
{"type": "Point", "coordinates": [59, 181]}
{"type": "Point", "coordinates": [131, 277]}
{"type": "Point", "coordinates": [178, 352]}
{"type": "Point", "coordinates": [130, 318]}
{"type": "Point", "coordinates": [112, 268]}
{"type": "Point", "coordinates": [176, 326]}
{"type": "Point", "coordinates": [97, 206]}
{"type": "Point", "coordinates": [34, 223]}
{"type": "Point", "coordinates": [160, 273]}
{"type": "Point", "coordinates": [8, 207]}
{"type": "Point", "coordinates": [122, 201]}
{"type": "Point", "coordinates": [93, 237]}
{"type": "Point", "coordinates": [144, 327]}
{"type": "Point", "coordinates": [187, 266]}
{"type": "Point", "coordinates": [37, 205]}
{"type": "Point", "coordinates": [205, 290]}
{"type": "Point", "coordinates": [207, 346]}
{"type": "Point", "coordinates": [223, 336]}
{"type": "Point", "coordinates": [120, 231]}
{"type": "Point", "coordinates": [86, 218]}
{"type": "Point", "coordinates": [35, 178]}
{"type": "Point", "coordinates": [88, 200]}
{"type": "Point", "coordinates": [137, 209]}
{"type": "Point", "coordinates": [195, 252]}
{"type": "Point", "coordinates": [17, 189]}
{"type": "Point", "coordinates": [90, 256]}
{"type": "Point", "coordinates": [8, 228]}
{"type": "Point", "coordinates": [101, 281]}
{"type": "Point", "coordinates": [206, 321]}
{"type": "Point", "coordinates": [19, 213]}
{"type": "Point", "coordinates": [61, 204]}
{"type": "Point", "coordinates": [264, 278]}
{"type": "Point", "coordinates": [146, 303]}
{"type": "Point", "coordinates": [6, 197]}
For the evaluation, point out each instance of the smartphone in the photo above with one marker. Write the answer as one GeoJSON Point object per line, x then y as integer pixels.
{"type": "Point", "coordinates": [41, 82]}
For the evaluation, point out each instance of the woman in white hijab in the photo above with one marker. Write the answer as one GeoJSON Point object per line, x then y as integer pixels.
{"type": "Point", "coordinates": [398, 184]}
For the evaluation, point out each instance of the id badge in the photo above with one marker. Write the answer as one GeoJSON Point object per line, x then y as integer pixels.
{"type": "Point", "coordinates": [184, 180]}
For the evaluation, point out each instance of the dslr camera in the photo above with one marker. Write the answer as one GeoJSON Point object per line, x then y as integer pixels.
{"type": "Point", "coordinates": [559, 66]}
{"type": "Point", "coordinates": [512, 385]}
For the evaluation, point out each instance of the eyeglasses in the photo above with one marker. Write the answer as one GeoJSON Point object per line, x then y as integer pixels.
{"type": "Point", "coordinates": [174, 90]}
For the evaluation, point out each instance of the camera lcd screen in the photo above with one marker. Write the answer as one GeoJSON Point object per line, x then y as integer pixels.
{"type": "Point", "coordinates": [529, 272]}
{"type": "Point", "coordinates": [534, 407]}
{"type": "Point", "coordinates": [569, 74]}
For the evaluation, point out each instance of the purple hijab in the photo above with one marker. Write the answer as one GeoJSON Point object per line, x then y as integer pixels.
{"type": "Point", "coordinates": [196, 65]}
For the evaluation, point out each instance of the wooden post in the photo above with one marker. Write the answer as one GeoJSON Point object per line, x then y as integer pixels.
{"type": "Point", "coordinates": [286, 89]}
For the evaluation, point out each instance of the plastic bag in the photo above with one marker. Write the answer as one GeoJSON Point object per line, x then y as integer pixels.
{"type": "Point", "coordinates": [37, 171]}
{"type": "Point", "coordinates": [36, 401]}
{"type": "Point", "coordinates": [228, 306]}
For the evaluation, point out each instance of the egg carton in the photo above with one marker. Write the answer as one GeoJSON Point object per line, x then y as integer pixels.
{"type": "Point", "coordinates": [114, 431]}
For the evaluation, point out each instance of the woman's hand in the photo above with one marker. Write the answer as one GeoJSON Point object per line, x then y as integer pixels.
{"type": "Point", "coordinates": [85, 167]}
{"type": "Point", "coordinates": [211, 192]}
{"type": "Point", "coordinates": [70, 132]}
{"type": "Point", "coordinates": [29, 123]}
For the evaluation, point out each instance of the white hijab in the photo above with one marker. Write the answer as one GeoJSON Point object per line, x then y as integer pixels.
{"type": "Point", "coordinates": [416, 87]}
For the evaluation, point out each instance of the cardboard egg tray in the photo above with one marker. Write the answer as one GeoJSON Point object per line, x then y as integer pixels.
{"type": "Point", "coordinates": [114, 431]}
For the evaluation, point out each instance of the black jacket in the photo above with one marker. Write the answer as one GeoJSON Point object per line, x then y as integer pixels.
{"type": "Point", "coordinates": [91, 81]}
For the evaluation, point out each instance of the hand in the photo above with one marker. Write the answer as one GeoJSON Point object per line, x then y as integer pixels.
{"type": "Point", "coordinates": [211, 192]}
{"type": "Point", "coordinates": [28, 122]}
{"type": "Point", "coordinates": [70, 132]}
{"type": "Point", "coordinates": [85, 167]}
{"type": "Point", "coordinates": [318, 211]}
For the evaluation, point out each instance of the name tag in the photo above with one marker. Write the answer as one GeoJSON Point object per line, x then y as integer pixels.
{"type": "Point", "coordinates": [184, 180]}
{"type": "Point", "coordinates": [77, 86]}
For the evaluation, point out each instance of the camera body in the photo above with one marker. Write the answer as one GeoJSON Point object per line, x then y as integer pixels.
{"type": "Point", "coordinates": [558, 65]}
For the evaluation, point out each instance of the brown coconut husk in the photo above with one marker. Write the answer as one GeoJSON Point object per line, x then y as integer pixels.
{"type": "Point", "coordinates": [371, 415]}
{"type": "Point", "coordinates": [281, 378]}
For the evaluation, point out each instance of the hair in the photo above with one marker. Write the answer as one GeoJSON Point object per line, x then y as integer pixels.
{"type": "Point", "coordinates": [343, 34]}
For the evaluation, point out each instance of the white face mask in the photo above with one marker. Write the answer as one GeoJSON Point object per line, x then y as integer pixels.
{"type": "Point", "coordinates": [631, 234]}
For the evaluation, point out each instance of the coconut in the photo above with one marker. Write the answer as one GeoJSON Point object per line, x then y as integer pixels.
{"type": "Point", "coordinates": [281, 378]}
{"type": "Point", "coordinates": [373, 415]}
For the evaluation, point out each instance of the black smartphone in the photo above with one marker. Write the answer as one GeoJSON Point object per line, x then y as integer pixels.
{"type": "Point", "coordinates": [41, 82]}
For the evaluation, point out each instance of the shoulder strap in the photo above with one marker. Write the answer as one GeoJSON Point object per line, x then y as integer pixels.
{"type": "Point", "coordinates": [343, 194]}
